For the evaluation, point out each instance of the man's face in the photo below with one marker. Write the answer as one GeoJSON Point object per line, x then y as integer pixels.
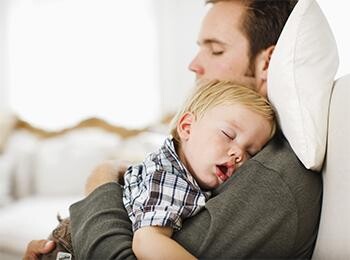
{"type": "Point", "coordinates": [223, 49]}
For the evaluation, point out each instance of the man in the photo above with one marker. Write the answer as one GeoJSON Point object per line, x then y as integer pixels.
{"type": "Point", "coordinates": [269, 209]}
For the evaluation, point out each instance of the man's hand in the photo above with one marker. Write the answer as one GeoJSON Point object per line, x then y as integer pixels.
{"type": "Point", "coordinates": [36, 248]}
{"type": "Point", "coordinates": [106, 172]}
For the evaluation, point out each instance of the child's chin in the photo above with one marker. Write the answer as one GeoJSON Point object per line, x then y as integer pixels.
{"type": "Point", "coordinates": [212, 184]}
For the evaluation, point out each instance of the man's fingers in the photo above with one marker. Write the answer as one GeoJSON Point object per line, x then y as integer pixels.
{"type": "Point", "coordinates": [36, 248]}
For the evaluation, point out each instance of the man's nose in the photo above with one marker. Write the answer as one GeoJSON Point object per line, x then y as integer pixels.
{"type": "Point", "coordinates": [196, 67]}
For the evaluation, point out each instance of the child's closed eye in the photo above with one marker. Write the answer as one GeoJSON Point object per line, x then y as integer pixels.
{"type": "Point", "coordinates": [229, 136]}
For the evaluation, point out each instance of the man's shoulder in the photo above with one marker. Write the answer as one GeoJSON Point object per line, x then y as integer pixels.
{"type": "Point", "coordinates": [272, 193]}
{"type": "Point", "coordinates": [278, 155]}
{"type": "Point", "coordinates": [279, 165]}
{"type": "Point", "coordinates": [278, 158]}
{"type": "Point", "coordinates": [276, 170]}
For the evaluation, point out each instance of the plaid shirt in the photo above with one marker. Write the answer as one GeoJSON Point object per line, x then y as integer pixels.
{"type": "Point", "coordinates": [161, 191]}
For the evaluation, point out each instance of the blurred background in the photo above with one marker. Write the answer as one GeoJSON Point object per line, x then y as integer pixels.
{"type": "Point", "coordinates": [65, 61]}
{"type": "Point", "coordinates": [62, 61]}
{"type": "Point", "coordinates": [123, 61]}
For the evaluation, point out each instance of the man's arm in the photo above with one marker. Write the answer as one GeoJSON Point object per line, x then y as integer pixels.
{"type": "Point", "coordinates": [101, 228]}
{"type": "Point", "coordinates": [235, 223]}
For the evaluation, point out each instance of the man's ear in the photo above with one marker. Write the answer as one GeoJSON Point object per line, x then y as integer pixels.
{"type": "Point", "coordinates": [262, 63]}
{"type": "Point", "coordinates": [184, 125]}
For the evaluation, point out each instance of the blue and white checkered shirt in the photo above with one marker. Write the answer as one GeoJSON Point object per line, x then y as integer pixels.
{"type": "Point", "coordinates": [161, 191]}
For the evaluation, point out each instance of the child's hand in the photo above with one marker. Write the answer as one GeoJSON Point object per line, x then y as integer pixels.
{"type": "Point", "coordinates": [109, 171]}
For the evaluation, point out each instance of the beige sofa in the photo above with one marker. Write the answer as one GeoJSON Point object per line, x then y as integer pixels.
{"type": "Point", "coordinates": [333, 241]}
{"type": "Point", "coordinates": [43, 173]}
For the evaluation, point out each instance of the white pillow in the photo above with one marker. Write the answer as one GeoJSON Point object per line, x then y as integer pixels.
{"type": "Point", "coordinates": [300, 80]}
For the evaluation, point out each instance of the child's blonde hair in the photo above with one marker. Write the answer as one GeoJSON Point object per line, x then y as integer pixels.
{"type": "Point", "coordinates": [208, 94]}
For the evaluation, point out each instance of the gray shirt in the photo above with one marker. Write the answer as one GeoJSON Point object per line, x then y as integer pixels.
{"type": "Point", "coordinates": [269, 209]}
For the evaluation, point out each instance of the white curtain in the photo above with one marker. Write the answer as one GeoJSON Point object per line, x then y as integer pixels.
{"type": "Point", "coordinates": [73, 59]}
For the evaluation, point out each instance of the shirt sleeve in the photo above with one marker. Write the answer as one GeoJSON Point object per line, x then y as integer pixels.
{"type": "Point", "coordinates": [162, 199]}
{"type": "Point", "coordinates": [100, 226]}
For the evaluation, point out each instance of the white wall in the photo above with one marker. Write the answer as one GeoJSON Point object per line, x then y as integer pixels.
{"type": "Point", "coordinates": [338, 16]}
{"type": "Point", "coordinates": [179, 22]}
{"type": "Point", "coordinates": [70, 60]}
{"type": "Point", "coordinates": [3, 56]}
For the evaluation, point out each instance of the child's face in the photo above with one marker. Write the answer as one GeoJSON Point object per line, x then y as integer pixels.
{"type": "Point", "coordinates": [219, 142]}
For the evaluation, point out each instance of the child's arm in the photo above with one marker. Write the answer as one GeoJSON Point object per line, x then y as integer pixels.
{"type": "Point", "coordinates": [156, 243]}
{"type": "Point", "coordinates": [108, 171]}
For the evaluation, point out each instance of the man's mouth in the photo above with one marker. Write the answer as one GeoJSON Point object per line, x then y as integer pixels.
{"type": "Point", "coordinates": [224, 171]}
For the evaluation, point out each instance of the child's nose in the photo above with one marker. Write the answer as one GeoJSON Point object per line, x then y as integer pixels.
{"type": "Point", "coordinates": [236, 153]}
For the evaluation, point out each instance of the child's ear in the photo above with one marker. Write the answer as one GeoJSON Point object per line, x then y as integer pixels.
{"type": "Point", "coordinates": [184, 125]}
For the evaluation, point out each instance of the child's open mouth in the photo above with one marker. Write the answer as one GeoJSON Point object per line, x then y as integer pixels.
{"type": "Point", "coordinates": [224, 171]}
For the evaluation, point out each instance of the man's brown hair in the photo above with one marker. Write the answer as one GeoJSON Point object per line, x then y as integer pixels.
{"type": "Point", "coordinates": [263, 22]}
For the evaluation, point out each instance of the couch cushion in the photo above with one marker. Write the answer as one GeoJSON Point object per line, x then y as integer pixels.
{"type": "Point", "coordinates": [63, 163]}
{"type": "Point", "coordinates": [334, 233]}
{"type": "Point", "coordinates": [7, 124]}
{"type": "Point", "coordinates": [6, 169]}
{"type": "Point", "coordinates": [19, 156]}
{"type": "Point", "coordinates": [30, 218]}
